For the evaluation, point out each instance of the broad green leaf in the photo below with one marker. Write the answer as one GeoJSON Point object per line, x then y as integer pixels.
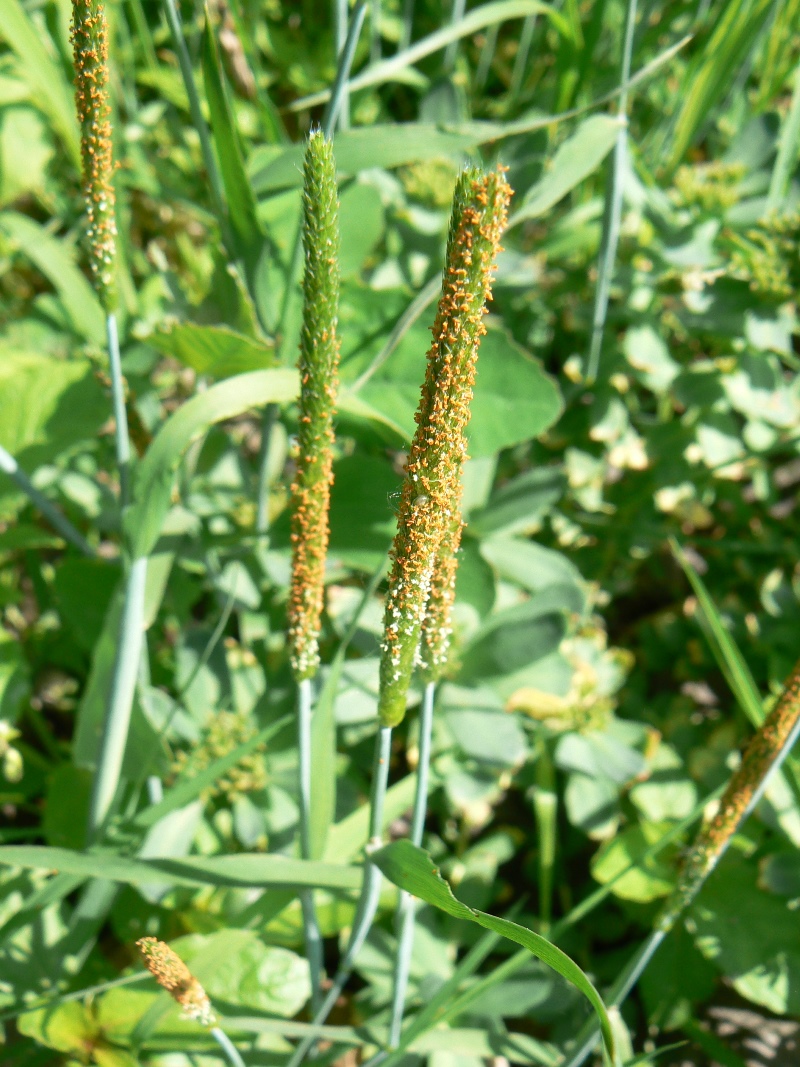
{"type": "Point", "coordinates": [514, 639]}
{"type": "Point", "coordinates": [263, 978]}
{"type": "Point", "coordinates": [412, 869]}
{"type": "Point", "coordinates": [243, 869]}
{"type": "Point", "coordinates": [44, 75]}
{"type": "Point", "coordinates": [751, 936]}
{"type": "Point", "coordinates": [154, 476]}
{"type": "Point", "coordinates": [649, 880]}
{"type": "Point", "coordinates": [56, 262]}
{"type": "Point", "coordinates": [386, 146]}
{"type": "Point", "coordinates": [47, 405]}
{"type": "Point", "coordinates": [514, 400]}
{"type": "Point", "coordinates": [578, 157]}
{"type": "Point", "coordinates": [23, 133]}
{"type": "Point", "coordinates": [213, 350]}
{"type": "Point", "coordinates": [240, 200]}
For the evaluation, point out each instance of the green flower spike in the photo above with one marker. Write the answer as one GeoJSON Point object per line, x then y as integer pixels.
{"type": "Point", "coordinates": [319, 359]}
{"type": "Point", "coordinates": [742, 793]}
{"type": "Point", "coordinates": [429, 503]}
{"type": "Point", "coordinates": [90, 46]}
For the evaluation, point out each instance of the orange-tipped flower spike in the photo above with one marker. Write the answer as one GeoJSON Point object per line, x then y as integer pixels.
{"type": "Point", "coordinates": [742, 793]}
{"type": "Point", "coordinates": [318, 365]}
{"type": "Point", "coordinates": [172, 974]}
{"type": "Point", "coordinates": [429, 503]}
{"type": "Point", "coordinates": [90, 47]}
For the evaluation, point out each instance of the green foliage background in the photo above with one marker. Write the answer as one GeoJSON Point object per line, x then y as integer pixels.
{"type": "Point", "coordinates": [586, 714]}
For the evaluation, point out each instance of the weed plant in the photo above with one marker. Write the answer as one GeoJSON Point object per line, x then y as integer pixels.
{"type": "Point", "coordinates": [384, 708]}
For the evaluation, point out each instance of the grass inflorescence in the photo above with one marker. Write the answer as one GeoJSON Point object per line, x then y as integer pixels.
{"type": "Point", "coordinates": [429, 503]}
{"type": "Point", "coordinates": [319, 358]}
{"type": "Point", "coordinates": [90, 48]}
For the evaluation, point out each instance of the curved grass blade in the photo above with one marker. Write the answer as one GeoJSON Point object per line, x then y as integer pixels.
{"type": "Point", "coordinates": [154, 476]}
{"type": "Point", "coordinates": [788, 146]}
{"type": "Point", "coordinates": [412, 869]}
{"type": "Point", "coordinates": [242, 869]}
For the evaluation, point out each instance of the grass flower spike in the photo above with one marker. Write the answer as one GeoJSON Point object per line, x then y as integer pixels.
{"type": "Point", "coordinates": [172, 974]}
{"type": "Point", "coordinates": [767, 747]}
{"type": "Point", "coordinates": [429, 504]}
{"type": "Point", "coordinates": [90, 47]}
{"type": "Point", "coordinates": [319, 358]}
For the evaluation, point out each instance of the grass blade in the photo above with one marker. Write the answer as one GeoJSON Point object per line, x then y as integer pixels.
{"type": "Point", "coordinates": [613, 210]}
{"type": "Point", "coordinates": [788, 146]}
{"type": "Point", "coordinates": [412, 869]}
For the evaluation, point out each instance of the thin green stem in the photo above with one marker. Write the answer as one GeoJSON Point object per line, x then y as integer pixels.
{"type": "Point", "coordinates": [311, 932]}
{"type": "Point", "coordinates": [195, 110]}
{"type": "Point", "coordinates": [613, 212]}
{"type": "Point", "coordinates": [521, 58]}
{"type": "Point", "coordinates": [486, 58]}
{"type": "Point", "coordinates": [424, 298]}
{"type": "Point", "coordinates": [121, 438]}
{"type": "Point", "coordinates": [787, 151]}
{"type": "Point", "coordinates": [407, 31]}
{"type": "Point", "coordinates": [120, 699]}
{"type": "Point", "coordinates": [406, 908]}
{"type": "Point", "coordinates": [338, 105]}
{"type": "Point", "coordinates": [370, 890]}
{"type": "Point", "coordinates": [445, 1005]}
{"type": "Point", "coordinates": [59, 522]}
{"type": "Point", "coordinates": [227, 1046]}
{"type": "Point", "coordinates": [625, 981]}
{"type": "Point", "coordinates": [340, 38]}
{"type": "Point", "coordinates": [456, 16]}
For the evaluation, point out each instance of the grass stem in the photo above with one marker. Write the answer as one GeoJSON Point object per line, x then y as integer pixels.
{"type": "Point", "coordinates": [121, 438]}
{"type": "Point", "coordinates": [311, 933]}
{"type": "Point", "coordinates": [227, 1046]}
{"type": "Point", "coordinates": [370, 890]}
{"type": "Point", "coordinates": [613, 212]}
{"type": "Point", "coordinates": [59, 522]}
{"type": "Point", "coordinates": [195, 110]}
{"type": "Point", "coordinates": [406, 908]}
{"type": "Point", "coordinates": [120, 699]}
{"type": "Point", "coordinates": [788, 146]}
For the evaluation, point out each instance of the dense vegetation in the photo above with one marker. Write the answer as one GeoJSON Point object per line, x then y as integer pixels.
{"type": "Point", "coordinates": [628, 595]}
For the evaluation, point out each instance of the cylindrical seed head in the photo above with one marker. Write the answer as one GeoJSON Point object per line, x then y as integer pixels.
{"type": "Point", "coordinates": [429, 503]}
{"type": "Point", "coordinates": [172, 974]}
{"type": "Point", "coordinates": [90, 48]}
{"type": "Point", "coordinates": [318, 365]}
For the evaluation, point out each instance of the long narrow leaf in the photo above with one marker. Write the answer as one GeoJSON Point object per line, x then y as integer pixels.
{"type": "Point", "coordinates": [412, 869]}
{"type": "Point", "coordinates": [244, 869]}
{"type": "Point", "coordinates": [153, 480]}
{"type": "Point", "coordinates": [241, 202]}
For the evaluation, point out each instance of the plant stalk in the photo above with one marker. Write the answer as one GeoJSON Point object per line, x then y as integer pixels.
{"type": "Point", "coordinates": [57, 520]}
{"type": "Point", "coordinates": [767, 750]}
{"type": "Point", "coordinates": [227, 1046]}
{"type": "Point", "coordinates": [613, 212]}
{"type": "Point", "coordinates": [121, 437]}
{"type": "Point", "coordinates": [311, 932]}
{"type": "Point", "coordinates": [370, 890]}
{"type": "Point", "coordinates": [786, 158]}
{"type": "Point", "coordinates": [406, 908]}
{"type": "Point", "coordinates": [195, 110]}
{"type": "Point", "coordinates": [120, 699]}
